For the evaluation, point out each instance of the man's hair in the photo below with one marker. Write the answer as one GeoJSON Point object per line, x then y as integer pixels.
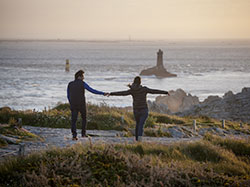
{"type": "Point", "coordinates": [79, 74]}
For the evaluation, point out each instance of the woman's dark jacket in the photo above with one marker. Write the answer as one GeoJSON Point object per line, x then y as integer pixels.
{"type": "Point", "coordinates": [139, 94]}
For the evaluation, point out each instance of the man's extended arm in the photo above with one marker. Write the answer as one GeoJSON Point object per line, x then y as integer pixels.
{"type": "Point", "coordinates": [86, 86]}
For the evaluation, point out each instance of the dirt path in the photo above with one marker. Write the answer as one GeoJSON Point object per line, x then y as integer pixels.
{"type": "Point", "coordinates": [59, 137]}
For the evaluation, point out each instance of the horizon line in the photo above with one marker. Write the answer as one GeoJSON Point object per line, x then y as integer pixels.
{"type": "Point", "coordinates": [125, 40]}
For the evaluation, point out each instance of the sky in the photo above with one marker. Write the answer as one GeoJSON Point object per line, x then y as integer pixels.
{"type": "Point", "coordinates": [124, 19]}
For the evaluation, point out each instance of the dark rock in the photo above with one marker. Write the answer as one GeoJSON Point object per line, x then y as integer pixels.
{"type": "Point", "coordinates": [176, 132]}
{"type": "Point", "coordinates": [178, 101]}
{"type": "Point", "coordinates": [158, 70]}
{"type": "Point", "coordinates": [211, 99]}
{"type": "Point", "coordinates": [228, 94]}
{"type": "Point", "coordinates": [244, 90]}
{"type": "Point", "coordinates": [230, 107]}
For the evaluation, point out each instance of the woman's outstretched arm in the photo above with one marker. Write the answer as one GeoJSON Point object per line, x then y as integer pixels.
{"type": "Point", "coordinates": [154, 91]}
{"type": "Point", "coordinates": [121, 93]}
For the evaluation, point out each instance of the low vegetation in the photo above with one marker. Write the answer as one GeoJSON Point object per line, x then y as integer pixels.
{"type": "Point", "coordinates": [17, 134]}
{"type": "Point", "coordinates": [3, 143]}
{"type": "Point", "coordinates": [213, 161]}
{"type": "Point", "coordinates": [103, 117]}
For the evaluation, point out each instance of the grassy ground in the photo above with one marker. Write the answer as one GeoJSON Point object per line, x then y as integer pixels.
{"type": "Point", "coordinates": [213, 161]}
{"type": "Point", "coordinates": [13, 131]}
{"type": "Point", "coordinates": [3, 143]}
{"type": "Point", "coordinates": [102, 117]}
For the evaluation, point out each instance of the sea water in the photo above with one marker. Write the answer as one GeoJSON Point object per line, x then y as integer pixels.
{"type": "Point", "coordinates": [32, 73]}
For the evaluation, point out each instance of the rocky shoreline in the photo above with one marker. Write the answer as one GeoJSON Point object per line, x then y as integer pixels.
{"type": "Point", "coordinates": [235, 107]}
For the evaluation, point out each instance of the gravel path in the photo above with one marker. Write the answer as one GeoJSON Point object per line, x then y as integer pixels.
{"type": "Point", "coordinates": [59, 137]}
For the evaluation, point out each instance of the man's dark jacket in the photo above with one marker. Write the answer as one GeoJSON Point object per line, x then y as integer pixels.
{"type": "Point", "coordinates": [76, 92]}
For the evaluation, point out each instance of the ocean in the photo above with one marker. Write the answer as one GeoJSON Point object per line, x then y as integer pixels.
{"type": "Point", "coordinates": [32, 73]}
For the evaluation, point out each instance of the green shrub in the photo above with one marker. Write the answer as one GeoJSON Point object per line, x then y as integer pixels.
{"type": "Point", "coordinates": [3, 143]}
{"type": "Point", "coordinates": [239, 147]}
{"type": "Point", "coordinates": [19, 132]}
{"type": "Point", "coordinates": [105, 121]}
{"type": "Point", "coordinates": [202, 152]}
{"type": "Point", "coordinates": [205, 119]}
{"type": "Point", "coordinates": [98, 117]}
{"type": "Point", "coordinates": [156, 132]}
{"type": "Point", "coordinates": [150, 122]}
{"type": "Point", "coordinates": [122, 165]}
{"type": "Point", "coordinates": [12, 122]}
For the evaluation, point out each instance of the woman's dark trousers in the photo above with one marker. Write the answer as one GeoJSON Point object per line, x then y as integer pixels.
{"type": "Point", "coordinates": [140, 118]}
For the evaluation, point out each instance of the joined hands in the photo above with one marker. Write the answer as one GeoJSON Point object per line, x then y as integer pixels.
{"type": "Point", "coordinates": [107, 94]}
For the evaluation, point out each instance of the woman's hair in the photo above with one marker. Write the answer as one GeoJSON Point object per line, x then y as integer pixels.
{"type": "Point", "coordinates": [79, 74]}
{"type": "Point", "coordinates": [137, 81]}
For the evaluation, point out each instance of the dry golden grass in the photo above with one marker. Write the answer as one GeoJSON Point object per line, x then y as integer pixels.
{"type": "Point", "coordinates": [205, 163]}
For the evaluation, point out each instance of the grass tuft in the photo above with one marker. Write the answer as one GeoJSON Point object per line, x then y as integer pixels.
{"type": "Point", "coordinates": [240, 147]}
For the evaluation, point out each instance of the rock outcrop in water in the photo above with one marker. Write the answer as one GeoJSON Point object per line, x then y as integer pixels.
{"type": "Point", "coordinates": [178, 101]}
{"type": "Point", "coordinates": [158, 70]}
{"type": "Point", "coordinates": [231, 106]}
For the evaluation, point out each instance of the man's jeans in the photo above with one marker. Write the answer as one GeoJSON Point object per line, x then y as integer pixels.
{"type": "Point", "coordinates": [74, 115]}
{"type": "Point", "coordinates": [140, 118]}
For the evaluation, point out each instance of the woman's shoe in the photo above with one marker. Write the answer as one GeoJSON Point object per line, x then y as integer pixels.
{"type": "Point", "coordinates": [139, 138]}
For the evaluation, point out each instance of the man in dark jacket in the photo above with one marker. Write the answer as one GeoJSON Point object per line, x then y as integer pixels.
{"type": "Point", "coordinates": [76, 97]}
{"type": "Point", "coordinates": [140, 107]}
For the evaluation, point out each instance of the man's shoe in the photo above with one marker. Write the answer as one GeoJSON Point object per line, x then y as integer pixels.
{"type": "Point", "coordinates": [74, 138]}
{"type": "Point", "coordinates": [84, 136]}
